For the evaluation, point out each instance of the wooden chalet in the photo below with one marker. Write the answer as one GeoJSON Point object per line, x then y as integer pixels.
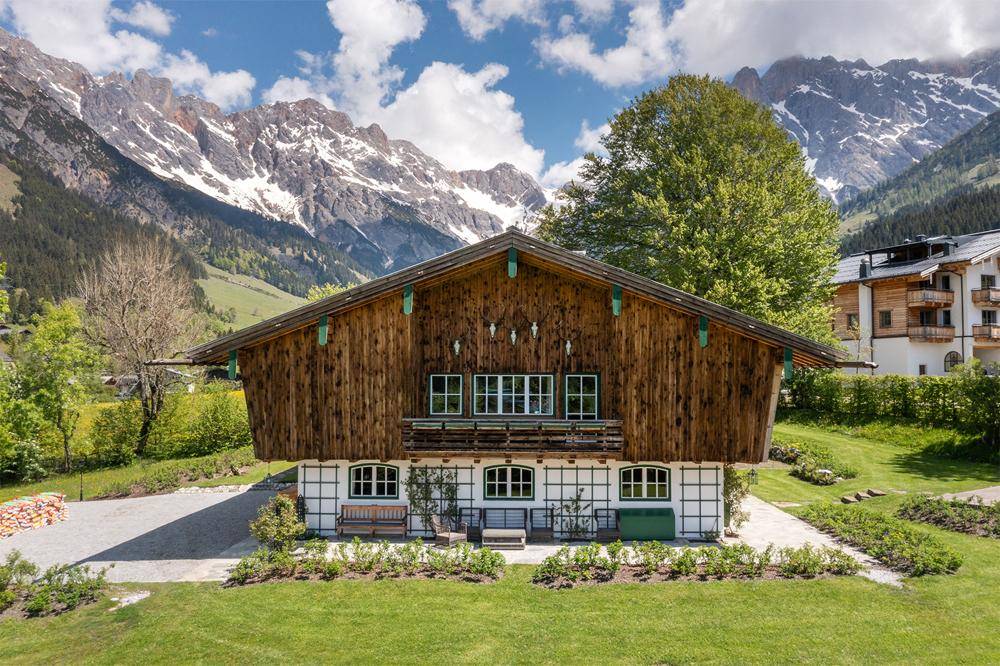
{"type": "Point", "coordinates": [561, 395]}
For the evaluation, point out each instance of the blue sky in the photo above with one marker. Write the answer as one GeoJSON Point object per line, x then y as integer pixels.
{"type": "Point", "coordinates": [476, 82]}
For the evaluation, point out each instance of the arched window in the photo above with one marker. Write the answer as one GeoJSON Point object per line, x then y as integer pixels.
{"type": "Point", "coordinates": [374, 482]}
{"type": "Point", "coordinates": [645, 482]}
{"type": "Point", "coordinates": [508, 482]}
{"type": "Point", "coordinates": [951, 359]}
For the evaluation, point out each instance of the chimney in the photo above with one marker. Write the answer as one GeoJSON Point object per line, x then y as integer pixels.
{"type": "Point", "coordinates": [865, 269]}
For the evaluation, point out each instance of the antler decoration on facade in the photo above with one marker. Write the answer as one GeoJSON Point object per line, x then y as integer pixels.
{"type": "Point", "coordinates": [493, 322]}
{"type": "Point", "coordinates": [567, 335]}
{"type": "Point", "coordinates": [533, 324]}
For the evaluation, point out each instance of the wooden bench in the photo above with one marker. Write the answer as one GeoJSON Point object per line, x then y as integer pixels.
{"type": "Point", "coordinates": [371, 519]}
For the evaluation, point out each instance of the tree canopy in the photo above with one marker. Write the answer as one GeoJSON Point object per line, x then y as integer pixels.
{"type": "Point", "coordinates": [698, 188]}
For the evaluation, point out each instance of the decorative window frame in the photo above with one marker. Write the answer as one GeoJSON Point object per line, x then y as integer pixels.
{"type": "Point", "coordinates": [597, 396]}
{"type": "Point", "coordinates": [500, 375]}
{"type": "Point", "coordinates": [350, 482]}
{"type": "Point", "coordinates": [951, 359]}
{"type": "Point", "coordinates": [645, 484]}
{"type": "Point", "coordinates": [531, 470]}
{"type": "Point", "coordinates": [431, 394]}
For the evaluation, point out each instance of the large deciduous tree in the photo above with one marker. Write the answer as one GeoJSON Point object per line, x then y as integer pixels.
{"type": "Point", "coordinates": [701, 190]}
{"type": "Point", "coordinates": [139, 306]}
{"type": "Point", "coordinates": [54, 368]}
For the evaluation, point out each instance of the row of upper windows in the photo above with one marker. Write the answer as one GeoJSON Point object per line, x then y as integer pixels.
{"type": "Point", "coordinates": [927, 318]}
{"type": "Point", "coordinates": [510, 482]}
{"type": "Point", "coordinates": [515, 395]}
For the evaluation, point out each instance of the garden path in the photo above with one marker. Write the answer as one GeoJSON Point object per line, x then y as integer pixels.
{"type": "Point", "coordinates": [989, 495]}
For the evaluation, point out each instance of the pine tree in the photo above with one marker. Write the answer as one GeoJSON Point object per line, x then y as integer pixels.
{"type": "Point", "coordinates": [702, 191]}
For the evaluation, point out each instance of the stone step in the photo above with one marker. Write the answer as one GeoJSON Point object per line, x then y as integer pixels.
{"type": "Point", "coordinates": [875, 492]}
{"type": "Point", "coordinates": [849, 499]}
{"type": "Point", "coordinates": [862, 496]}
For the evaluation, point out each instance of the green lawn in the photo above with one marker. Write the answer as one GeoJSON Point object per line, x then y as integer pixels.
{"type": "Point", "coordinates": [254, 300]}
{"type": "Point", "coordinates": [936, 619]}
{"type": "Point", "coordinates": [95, 481]}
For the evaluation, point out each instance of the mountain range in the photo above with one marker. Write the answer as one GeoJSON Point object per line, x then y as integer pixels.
{"type": "Point", "coordinates": [858, 124]}
{"type": "Point", "coordinates": [381, 201]}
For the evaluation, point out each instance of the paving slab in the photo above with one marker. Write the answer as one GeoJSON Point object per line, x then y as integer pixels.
{"type": "Point", "coordinates": [989, 495]}
{"type": "Point", "coordinates": [179, 536]}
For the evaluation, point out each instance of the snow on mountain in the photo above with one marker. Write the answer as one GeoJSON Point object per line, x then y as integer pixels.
{"type": "Point", "coordinates": [859, 125]}
{"type": "Point", "coordinates": [381, 200]}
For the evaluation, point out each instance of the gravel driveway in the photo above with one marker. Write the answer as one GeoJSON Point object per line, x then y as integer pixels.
{"type": "Point", "coordinates": [149, 539]}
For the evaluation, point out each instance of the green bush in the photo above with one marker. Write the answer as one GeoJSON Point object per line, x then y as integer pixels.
{"type": "Point", "coordinates": [165, 477]}
{"type": "Point", "coordinates": [221, 424]}
{"type": "Point", "coordinates": [115, 433]}
{"type": "Point", "coordinates": [811, 462]}
{"type": "Point", "coordinates": [958, 515]}
{"type": "Point", "coordinates": [891, 541]}
{"type": "Point", "coordinates": [486, 562]}
{"type": "Point", "coordinates": [277, 525]}
{"type": "Point", "coordinates": [64, 587]}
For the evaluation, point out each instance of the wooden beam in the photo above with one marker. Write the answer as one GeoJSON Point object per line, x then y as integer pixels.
{"type": "Point", "coordinates": [788, 363]}
{"type": "Point", "coordinates": [232, 364]}
{"type": "Point", "coordinates": [512, 262]}
{"type": "Point", "coordinates": [616, 300]}
{"type": "Point", "coordinates": [703, 331]}
{"type": "Point", "coordinates": [408, 299]}
{"type": "Point", "coordinates": [323, 330]}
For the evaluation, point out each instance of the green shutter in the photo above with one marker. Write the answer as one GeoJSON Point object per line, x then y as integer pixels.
{"type": "Point", "coordinates": [408, 299]}
{"type": "Point", "coordinates": [703, 331]}
{"type": "Point", "coordinates": [788, 363]}
{"type": "Point", "coordinates": [512, 262]}
{"type": "Point", "coordinates": [232, 364]}
{"type": "Point", "coordinates": [323, 328]}
{"type": "Point", "coordinates": [616, 300]}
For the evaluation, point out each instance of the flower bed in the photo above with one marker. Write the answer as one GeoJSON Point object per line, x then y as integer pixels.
{"type": "Point", "coordinates": [59, 589]}
{"type": "Point", "coordinates": [811, 462]}
{"type": "Point", "coordinates": [893, 542]}
{"type": "Point", "coordinates": [318, 560]}
{"type": "Point", "coordinates": [26, 513]}
{"type": "Point", "coordinates": [653, 561]}
{"type": "Point", "coordinates": [957, 515]}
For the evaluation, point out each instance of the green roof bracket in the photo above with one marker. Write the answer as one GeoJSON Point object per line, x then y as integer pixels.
{"type": "Point", "coordinates": [512, 262]}
{"type": "Point", "coordinates": [703, 331]}
{"type": "Point", "coordinates": [323, 330]}
{"type": "Point", "coordinates": [408, 299]}
{"type": "Point", "coordinates": [616, 300]}
{"type": "Point", "coordinates": [788, 363]}
{"type": "Point", "coordinates": [232, 364]}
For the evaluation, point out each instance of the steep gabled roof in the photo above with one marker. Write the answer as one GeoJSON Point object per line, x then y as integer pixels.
{"type": "Point", "coordinates": [806, 351]}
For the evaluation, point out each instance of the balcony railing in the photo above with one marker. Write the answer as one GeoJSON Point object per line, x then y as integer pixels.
{"type": "Point", "coordinates": [986, 332]}
{"type": "Point", "coordinates": [926, 297]}
{"type": "Point", "coordinates": [931, 333]}
{"type": "Point", "coordinates": [482, 437]}
{"type": "Point", "coordinates": [989, 296]}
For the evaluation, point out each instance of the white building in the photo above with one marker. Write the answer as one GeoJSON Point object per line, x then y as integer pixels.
{"type": "Point", "coordinates": [923, 306]}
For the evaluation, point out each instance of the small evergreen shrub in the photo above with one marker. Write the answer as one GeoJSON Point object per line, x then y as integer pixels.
{"type": "Point", "coordinates": [277, 525]}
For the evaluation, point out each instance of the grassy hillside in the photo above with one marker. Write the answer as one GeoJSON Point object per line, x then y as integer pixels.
{"type": "Point", "coordinates": [970, 160]}
{"type": "Point", "coordinates": [251, 300]}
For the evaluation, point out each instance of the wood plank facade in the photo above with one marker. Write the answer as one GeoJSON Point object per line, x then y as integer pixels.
{"type": "Point", "coordinates": [675, 399]}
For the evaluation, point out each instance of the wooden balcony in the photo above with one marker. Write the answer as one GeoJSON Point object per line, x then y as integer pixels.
{"type": "Point", "coordinates": [929, 298]}
{"type": "Point", "coordinates": [986, 332]}
{"type": "Point", "coordinates": [504, 437]}
{"type": "Point", "coordinates": [931, 333]}
{"type": "Point", "coordinates": [990, 296]}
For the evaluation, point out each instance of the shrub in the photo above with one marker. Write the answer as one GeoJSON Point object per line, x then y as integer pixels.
{"type": "Point", "coordinates": [735, 488]}
{"type": "Point", "coordinates": [64, 587]}
{"type": "Point", "coordinates": [685, 563]}
{"type": "Point", "coordinates": [486, 562]}
{"type": "Point", "coordinates": [811, 462]}
{"type": "Point", "coordinates": [891, 541]}
{"type": "Point", "coordinates": [221, 424]}
{"type": "Point", "coordinates": [16, 574]}
{"type": "Point", "coordinates": [958, 515]}
{"type": "Point", "coordinates": [115, 433]}
{"type": "Point", "coordinates": [277, 525]}
{"type": "Point", "coordinates": [802, 561]}
{"type": "Point", "coordinates": [263, 564]}
{"type": "Point", "coordinates": [164, 477]}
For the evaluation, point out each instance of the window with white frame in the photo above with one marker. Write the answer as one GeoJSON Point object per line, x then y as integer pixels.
{"type": "Point", "coordinates": [446, 395]}
{"type": "Point", "coordinates": [989, 317]}
{"type": "Point", "coordinates": [508, 482]}
{"type": "Point", "coordinates": [581, 397]}
{"type": "Point", "coordinates": [374, 482]}
{"type": "Point", "coordinates": [645, 482]}
{"type": "Point", "coordinates": [513, 395]}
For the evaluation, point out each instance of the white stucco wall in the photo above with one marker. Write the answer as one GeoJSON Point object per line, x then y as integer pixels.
{"type": "Point", "coordinates": [695, 490]}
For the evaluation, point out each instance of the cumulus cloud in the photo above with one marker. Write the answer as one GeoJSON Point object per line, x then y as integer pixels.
{"type": "Point", "coordinates": [85, 32]}
{"type": "Point", "coordinates": [147, 16]}
{"type": "Point", "coordinates": [209, 32]}
{"type": "Point", "coordinates": [479, 17]}
{"type": "Point", "coordinates": [589, 141]}
{"type": "Point", "coordinates": [720, 36]}
{"type": "Point", "coordinates": [589, 138]}
{"type": "Point", "coordinates": [191, 75]}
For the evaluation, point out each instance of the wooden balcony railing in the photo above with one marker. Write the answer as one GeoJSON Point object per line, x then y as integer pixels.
{"type": "Point", "coordinates": [986, 332]}
{"type": "Point", "coordinates": [929, 298]}
{"type": "Point", "coordinates": [501, 437]}
{"type": "Point", "coordinates": [931, 333]}
{"type": "Point", "coordinates": [989, 296]}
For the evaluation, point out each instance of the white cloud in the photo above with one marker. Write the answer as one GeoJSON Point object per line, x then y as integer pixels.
{"type": "Point", "coordinates": [209, 32]}
{"type": "Point", "coordinates": [84, 32]}
{"type": "Point", "coordinates": [594, 10]}
{"type": "Point", "coordinates": [146, 15]}
{"type": "Point", "coordinates": [720, 36]}
{"type": "Point", "coordinates": [589, 139]}
{"type": "Point", "coordinates": [461, 119]}
{"type": "Point", "coordinates": [646, 53]}
{"type": "Point", "coordinates": [191, 75]}
{"type": "Point", "coordinates": [294, 88]}
{"type": "Point", "coordinates": [479, 17]}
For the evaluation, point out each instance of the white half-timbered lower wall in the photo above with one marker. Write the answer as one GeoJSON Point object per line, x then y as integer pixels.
{"type": "Point", "coordinates": [695, 490]}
